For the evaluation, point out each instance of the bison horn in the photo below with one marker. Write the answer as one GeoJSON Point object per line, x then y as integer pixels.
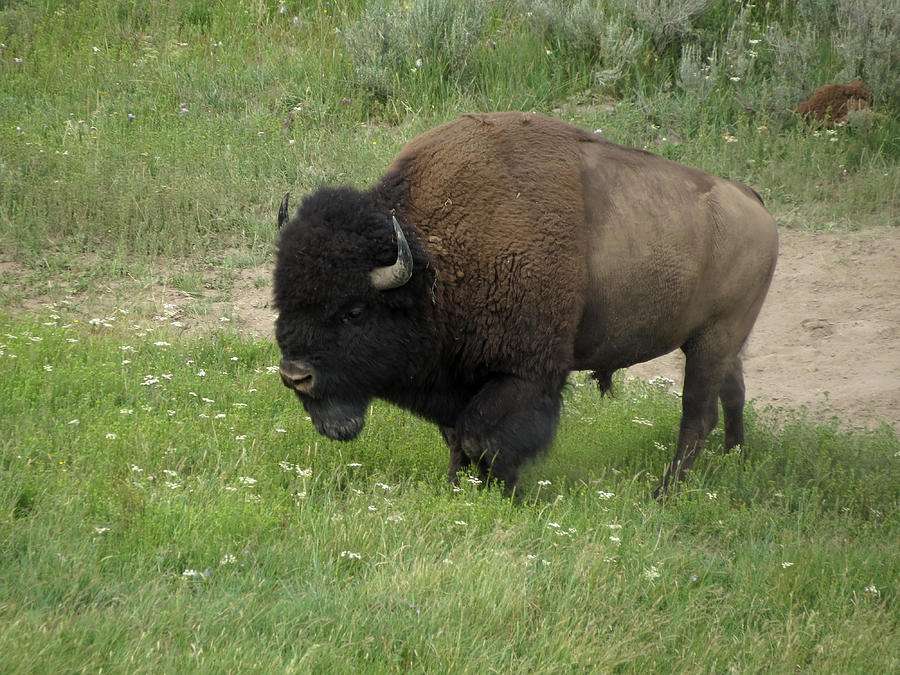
{"type": "Point", "coordinates": [394, 276]}
{"type": "Point", "coordinates": [283, 209]}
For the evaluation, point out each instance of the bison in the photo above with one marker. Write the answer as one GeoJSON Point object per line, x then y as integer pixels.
{"type": "Point", "coordinates": [500, 252]}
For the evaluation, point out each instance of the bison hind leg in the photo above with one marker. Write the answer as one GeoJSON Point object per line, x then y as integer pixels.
{"type": "Point", "coordinates": [732, 396]}
{"type": "Point", "coordinates": [704, 376]}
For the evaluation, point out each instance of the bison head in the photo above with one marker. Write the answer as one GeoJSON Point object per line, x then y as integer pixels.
{"type": "Point", "coordinates": [351, 291]}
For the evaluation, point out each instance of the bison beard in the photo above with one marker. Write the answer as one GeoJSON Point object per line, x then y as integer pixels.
{"type": "Point", "coordinates": [339, 421]}
{"type": "Point", "coordinates": [497, 254]}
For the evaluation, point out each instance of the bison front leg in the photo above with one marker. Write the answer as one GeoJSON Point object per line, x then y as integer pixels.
{"type": "Point", "coordinates": [507, 423]}
{"type": "Point", "coordinates": [458, 459]}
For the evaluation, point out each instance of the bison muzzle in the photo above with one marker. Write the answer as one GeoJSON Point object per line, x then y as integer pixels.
{"type": "Point", "coordinates": [497, 254]}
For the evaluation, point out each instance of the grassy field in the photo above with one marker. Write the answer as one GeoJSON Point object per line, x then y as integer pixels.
{"type": "Point", "coordinates": [165, 506]}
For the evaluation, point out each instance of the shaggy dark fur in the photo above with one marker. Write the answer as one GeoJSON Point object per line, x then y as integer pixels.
{"type": "Point", "coordinates": [831, 103]}
{"type": "Point", "coordinates": [538, 248]}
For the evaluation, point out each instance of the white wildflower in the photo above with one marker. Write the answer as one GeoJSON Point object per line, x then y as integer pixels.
{"type": "Point", "coordinates": [651, 573]}
{"type": "Point", "coordinates": [111, 436]}
{"type": "Point", "coordinates": [786, 564]}
{"type": "Point", "coordinates": [661, 381]}
{"type": "Point", "coordinates": [246, 480]}
{"type": "Point", "coordinates": [351, 555]}
{"type": "Point", "coordinates": [606, 495]}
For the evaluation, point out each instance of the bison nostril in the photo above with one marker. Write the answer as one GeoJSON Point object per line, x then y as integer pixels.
{"type": "Point", "coordinates": [297, 375]}
{"type": "Point", "coordinates": [301, 381]}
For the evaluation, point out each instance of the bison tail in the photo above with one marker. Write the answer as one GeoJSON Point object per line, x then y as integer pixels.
{"type": "Point", "coordinates": [603, 380]}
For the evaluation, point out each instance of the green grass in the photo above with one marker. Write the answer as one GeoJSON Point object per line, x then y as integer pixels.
{"type": "Point", "coordinates": [165, 505]}
{"type": "Point", "coordinates": [155, 519]}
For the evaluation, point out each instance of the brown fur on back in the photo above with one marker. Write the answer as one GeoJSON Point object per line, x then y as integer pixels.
{"type": "Point", "coordinates": [831, 103]}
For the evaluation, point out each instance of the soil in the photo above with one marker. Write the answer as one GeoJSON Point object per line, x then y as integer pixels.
{"type": "Point", "coordinates": [827, 339]}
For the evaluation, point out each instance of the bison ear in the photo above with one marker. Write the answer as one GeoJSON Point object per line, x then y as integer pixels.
{"type": "Point", "coordinates": [283, 209]}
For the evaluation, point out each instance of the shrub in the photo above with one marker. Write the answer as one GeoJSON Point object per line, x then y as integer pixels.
{"type": "Point", "coordinates": [391, 43]}
{"type": "Point", "coordinates": [868, 40]}
{"type": "Point", "coordinates": [589, 32]}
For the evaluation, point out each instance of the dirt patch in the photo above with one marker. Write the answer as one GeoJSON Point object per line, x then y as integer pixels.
{"type": "Point", "coordinates": [828, 337]}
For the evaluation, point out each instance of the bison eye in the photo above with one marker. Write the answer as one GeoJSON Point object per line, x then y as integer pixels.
{"type": "Point", "coordinates": [353, 315]}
